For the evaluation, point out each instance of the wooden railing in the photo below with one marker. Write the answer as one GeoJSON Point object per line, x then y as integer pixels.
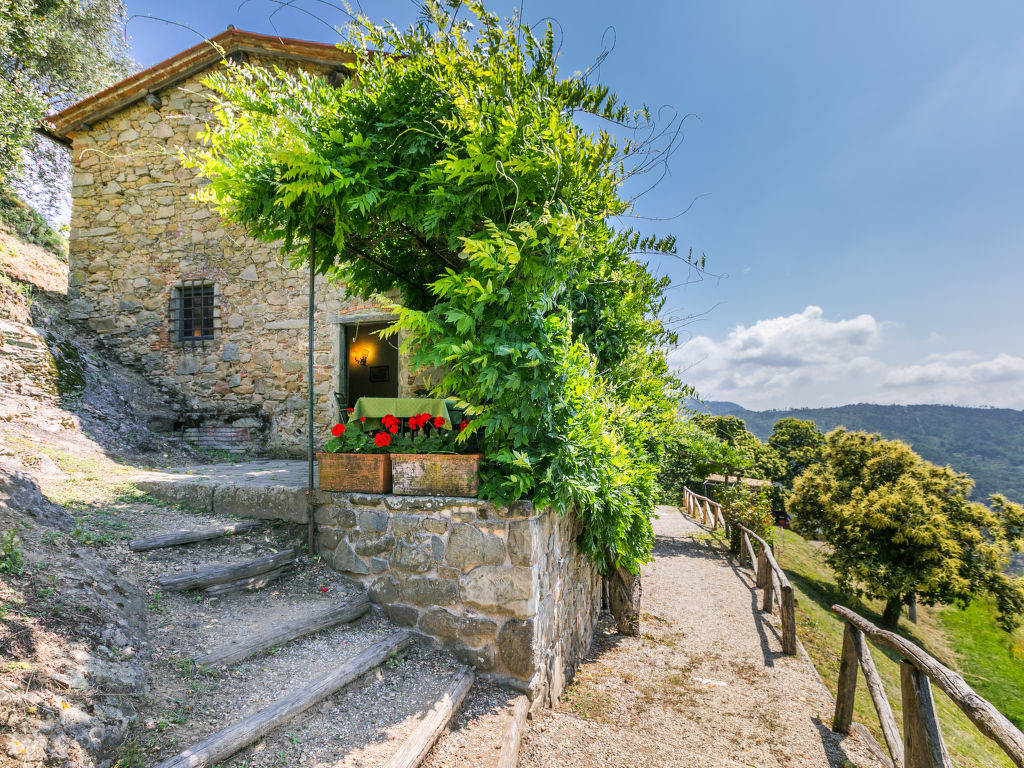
{"type": "Point", "coordinates": [922, 745]}
{"type": "Point", "coordinates": [770, 577]}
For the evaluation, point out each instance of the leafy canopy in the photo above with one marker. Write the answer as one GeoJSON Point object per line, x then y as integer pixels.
{"type": "Point", "coordinates": [798, 443]}
{"type": "Point", "coordinates": [900, 526]}
{"type": "Point", "coordinates": [763, 461]}
{"type": "Point", "coordinates": [452, 172]}
{"type": "Point", "coordinates": [53, 52]}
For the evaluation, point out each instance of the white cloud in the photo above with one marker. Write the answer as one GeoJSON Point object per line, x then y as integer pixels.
{"type": "Point", "coordinates": [805, 359]}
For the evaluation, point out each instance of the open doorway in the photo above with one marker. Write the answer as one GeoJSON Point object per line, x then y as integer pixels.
{"type": "Point", "coordinates": [369, 364]}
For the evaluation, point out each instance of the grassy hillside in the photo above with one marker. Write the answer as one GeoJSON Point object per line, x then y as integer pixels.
{"type": "Point", "coordinates": [968, 641]}
{"type": "Point", "coordinates": [986, 443]}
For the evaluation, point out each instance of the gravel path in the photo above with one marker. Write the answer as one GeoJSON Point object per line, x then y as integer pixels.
{"type": "Point", "coordinates": [706, 684]}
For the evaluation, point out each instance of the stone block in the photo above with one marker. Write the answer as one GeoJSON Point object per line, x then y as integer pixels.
{"type": "Point", "coordinates": [365, 499]}
{"type": "Point", "coordinates": [499, 589]}
{"type": "Point", "coordinates": [440, 623]}
{"type": "Point", "coordinates": [481, 659]}
{"type": "Point", "coordinates": [375, 545]}
{"type": "Point", "coordinates": [409, 558]}
{"type": "Point", "coordinates": [384, 590]}
{"type": "Point", "coordinates": [373, 522]}
{"type": "Point", "coordinates": [523, 542]}
{"type": "Point", "coordinates": [346, 560]}
{"type": "Point", "coordinates": [430, 592]}
{"type": "Point", "coordinates": [521, 508]}
{"type": "Point", "coordinates": [516, 648]}
{"type": "Point", "coordinates": [437, 548]}
{"type": "Point", "coordinates": [433, 525]}
{"type": "Point", "coordinates": [474, 628]}
{"type": "Point", "coordinates": [335, 514]}
{"type": "Point", "coordinates": [402, 615]}
{"type": "Point", "coordinates": [378, 565]}
{"type": "Point", "coordinates": [469, 547]}
{"type": "Point", "coordinates": [276, 502]}
{"type": "Point", "coordinates": [404, 525]}
{"type": "Point", "coordinates": [250, 274]}
{"type": "Point", "coordinates": [229, 352]}
{"type": "Point", "coordinates": [327, 539]}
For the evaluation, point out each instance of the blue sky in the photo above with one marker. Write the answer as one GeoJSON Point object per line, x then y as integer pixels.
{"type": "Point", "coordinates": [856, 172]}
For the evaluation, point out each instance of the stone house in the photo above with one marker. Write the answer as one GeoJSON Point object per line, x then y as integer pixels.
{"type": "Point", "coordinates": [211, 315]}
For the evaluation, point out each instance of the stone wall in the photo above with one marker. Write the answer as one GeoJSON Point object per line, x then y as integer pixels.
{"type": "Point", "coordinates": [504, 588]}
{"type": "Point", "coordinates": [136, 234]}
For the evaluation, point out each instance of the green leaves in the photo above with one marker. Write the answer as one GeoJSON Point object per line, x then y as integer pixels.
{"type": "Point", "coordinates": [451, 174]}
{"type": "Point", "coordinates": [900, 526]}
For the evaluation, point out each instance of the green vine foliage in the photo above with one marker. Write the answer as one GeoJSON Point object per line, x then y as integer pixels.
{"type": "Point", "coordinates": [452, 173]}
{"type": "Point", "coordinates": [750, 507]}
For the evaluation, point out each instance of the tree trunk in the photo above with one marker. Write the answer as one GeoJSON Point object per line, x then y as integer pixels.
{"type": "Point", "coordinates": [891, 614]}
{"type": "Point", "coordinates": [624, 600]}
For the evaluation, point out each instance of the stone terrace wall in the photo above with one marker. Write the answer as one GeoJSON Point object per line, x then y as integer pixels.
{"type": "Point", "coordinates": [504, 588]}
{"type": "Point", "coordinates": [136, 234]}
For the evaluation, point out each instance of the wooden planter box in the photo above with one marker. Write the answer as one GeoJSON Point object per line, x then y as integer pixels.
{"type": "Point", "coordinates": [354, 472]}
{"type": "Point", "coordinates": [435, 474]}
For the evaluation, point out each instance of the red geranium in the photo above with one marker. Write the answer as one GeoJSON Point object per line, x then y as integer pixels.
{"type": "Point", "coordinates": [337, 429]}
{"type": "Point", "coordinates": [393, 428]}
{"type": "Point", "coordinates": [463, 425]}
{"type": "Point", "coordinates": [414, 422]}
{"type": "Point", "coordinates": [382, 439]}
{"type": "Point", "coordinates": [362, 418]}
{"type": "Point", "coordinates": [439, 422]}
{"type": "Point", "coordinates": [349, 410]}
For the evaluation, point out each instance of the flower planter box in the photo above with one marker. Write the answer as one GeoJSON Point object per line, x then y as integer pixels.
{"type": "Point", "coordinates": [354, 472]}
{"type": "Point", "coordinates": [435, 474]}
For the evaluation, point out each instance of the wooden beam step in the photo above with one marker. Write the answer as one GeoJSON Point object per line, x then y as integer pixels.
{"type": "Point", "coordinates": [259, 642]}
{"type": "Point", "coordinates": [225, 743]}
{"type": "Point", "coordinates": [509, 755]}
{"type": "Point", "coordinates": [415, 749]}
{"type": "Point", "coordinates": [220, 574]}
{"type": "Point", "coordinates": [191, 536]}
{"type": "Point", "coordinates": [250, 584]}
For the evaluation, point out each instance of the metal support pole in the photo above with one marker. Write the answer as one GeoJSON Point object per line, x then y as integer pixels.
{"type": "Point", "coordinates": [310, 515]}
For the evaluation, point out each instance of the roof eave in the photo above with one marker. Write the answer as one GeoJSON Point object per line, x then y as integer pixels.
{"type": "Point", "coordinates": [82, 114]}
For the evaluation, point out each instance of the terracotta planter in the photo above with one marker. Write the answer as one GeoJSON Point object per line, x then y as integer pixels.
{"type": "Point", "coordinates": [435, 474]}
{"type": "Point", "coordinates": [354, 472]}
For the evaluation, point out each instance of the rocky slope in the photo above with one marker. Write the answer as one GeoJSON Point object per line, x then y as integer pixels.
{"type": "Point", "coordinates": [71, 629]}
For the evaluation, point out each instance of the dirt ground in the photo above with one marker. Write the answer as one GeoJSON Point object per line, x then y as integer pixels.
{"type": "Point", "coordinates": [706, 683]}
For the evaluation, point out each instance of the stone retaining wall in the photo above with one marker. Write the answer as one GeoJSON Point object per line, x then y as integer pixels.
{"type": "Point", "coordinates": [504, 588]}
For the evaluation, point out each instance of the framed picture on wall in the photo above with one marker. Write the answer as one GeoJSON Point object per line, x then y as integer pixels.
{"type": "Point", "coordinates": [380, 374]}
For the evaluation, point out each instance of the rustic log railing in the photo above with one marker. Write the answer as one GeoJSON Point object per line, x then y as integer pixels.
{"type": "Point", "coordinates": [922, 745]}
{"type": "Point", "coordinates": [770, 577]}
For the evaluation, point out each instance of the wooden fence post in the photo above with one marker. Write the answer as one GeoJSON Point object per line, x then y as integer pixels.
{"type": "Point", "coordinates": [787, 612]}
{"type": "Point", "coordinates": [846, 688]}
{"type": "Point", "coordinates": [764, 575]}
{"type": "Point", "coordinates": [922, 737]}
{"type": "Point", "coordinates": [767, 600]}
{"type": "Point", "coordinates": [886, 719]}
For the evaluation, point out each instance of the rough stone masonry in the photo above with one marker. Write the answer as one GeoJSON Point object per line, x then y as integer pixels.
{"type": "Point", "coordinates": [503, 587]}
{"type": "Point", "coordinates": [138, 234]}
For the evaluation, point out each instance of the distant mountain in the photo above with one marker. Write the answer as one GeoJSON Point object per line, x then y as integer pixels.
{"type": "Point", "coordinates": [986, 443]}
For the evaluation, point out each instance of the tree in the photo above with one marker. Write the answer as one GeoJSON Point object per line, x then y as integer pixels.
{"type": "Point", "coordinates": [898, 527]}
{"type": "Point", "coordinates": [764, 461]}
{"type": "Point", "coordinates": [53, 52]}
{"type": "Point", "coordinates": [798, 443]}
{"type": "Point", "coordinates": [453, 172]}
{"type": "Point", "coordinates": [691, 454]}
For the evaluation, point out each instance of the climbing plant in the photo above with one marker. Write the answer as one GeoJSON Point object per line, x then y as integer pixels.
{"type": "Point", "coordinates": [453, 172]}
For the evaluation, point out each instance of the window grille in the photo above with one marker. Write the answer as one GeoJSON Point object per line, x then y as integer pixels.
{"type": "Point", "coordinates": [195, 316]}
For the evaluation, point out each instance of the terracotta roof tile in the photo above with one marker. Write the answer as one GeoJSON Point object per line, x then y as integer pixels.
{"type": "Point", "coordinates": [83, 113]}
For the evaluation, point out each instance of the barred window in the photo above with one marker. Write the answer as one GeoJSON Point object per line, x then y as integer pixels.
{"type": "Point", "coordinates": [194, 315]}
